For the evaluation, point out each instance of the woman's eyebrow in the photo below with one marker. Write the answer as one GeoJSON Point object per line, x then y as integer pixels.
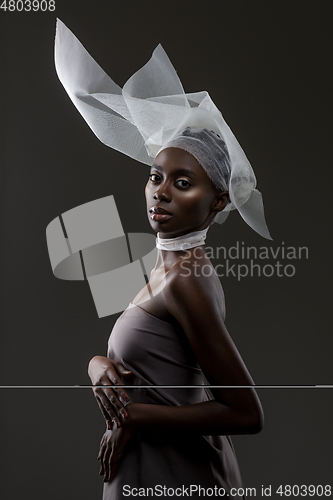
{"type": "Point", "coordinates": [185, 171]}
{"type": "Point", "coordinates": [157, 167]}
{"type": "Point", "coordinates": [179, 171]}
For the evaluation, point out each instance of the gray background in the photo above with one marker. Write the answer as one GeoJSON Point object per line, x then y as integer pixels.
{"type": "Point", "coordinates": [267, 66]}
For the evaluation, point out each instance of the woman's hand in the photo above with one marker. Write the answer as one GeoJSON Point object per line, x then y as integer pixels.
{"type": "Point", "coordinates": [112, 444]}
{"type": "Point", "coordinates": [105, 371]}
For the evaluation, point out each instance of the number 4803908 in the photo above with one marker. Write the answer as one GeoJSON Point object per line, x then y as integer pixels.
{"type": "Point", "coordinates": [28, 5]}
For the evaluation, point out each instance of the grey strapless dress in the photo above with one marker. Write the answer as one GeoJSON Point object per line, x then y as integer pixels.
{"type": "Point", "coordinates": [159, 354]}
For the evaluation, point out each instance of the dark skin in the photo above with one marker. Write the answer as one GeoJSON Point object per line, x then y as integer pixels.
{"type": "Point", "coordinates": [191, 299]}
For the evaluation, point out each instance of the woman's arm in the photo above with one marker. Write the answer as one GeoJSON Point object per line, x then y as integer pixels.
{"type": "Point", "coordinates": [207, 418]}
{"type": "Point", "coordinates": [193, 301]}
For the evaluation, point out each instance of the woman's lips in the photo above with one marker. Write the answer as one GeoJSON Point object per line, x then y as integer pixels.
{"type": "Point", "coordinates": [160, 217]}
{"type": "Point", "coordinates": [159, 214]}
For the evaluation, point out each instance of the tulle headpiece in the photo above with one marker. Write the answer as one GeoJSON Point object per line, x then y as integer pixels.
{"type": "Point", "coordinates": [149, 112]}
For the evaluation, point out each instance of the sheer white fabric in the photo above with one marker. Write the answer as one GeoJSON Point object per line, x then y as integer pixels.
{"type": "Point", "coordinates": [151, 110]}
{"type": "Point", "coordinates": [210, 151]}
{"type": "Point", "coordinates": [185, 242]}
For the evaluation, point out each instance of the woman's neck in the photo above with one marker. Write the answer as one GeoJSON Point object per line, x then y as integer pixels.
{"type": "Point", "coordinates": [182, 243]}
{"type": "Point", "coordinates": [172, 250]}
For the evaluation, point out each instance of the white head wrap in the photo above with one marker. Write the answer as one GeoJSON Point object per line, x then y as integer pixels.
{"type": "Point", "coordinates": [150, 112]}
{"type": "Point", "coordinates": [210, 151]}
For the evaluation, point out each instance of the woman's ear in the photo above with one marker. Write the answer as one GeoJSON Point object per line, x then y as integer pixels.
{"type": "Point", "coordinates": [221, 200]}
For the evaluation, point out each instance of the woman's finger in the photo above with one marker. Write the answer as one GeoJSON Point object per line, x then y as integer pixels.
{"type": "Point", "coordinates": [106, 462]}
{"type": "Point", "coordinates": [111, 403]}
{"type": "Point", "coordinates": [106, 416]}
{"type": "Point", "coordinates": [113, 469]}
{"type": "Point", "coordinates": [111, 466]}
{"type": "Point", "coordinates": [106, 371]}
{"type": "Point", "coordinates": [101, 448]}
{"type": "Point", "coordinates": [122, 370]}
{"type": "Point", "coordinates": [107, 410]}
{"type": "Point", "coordinates": [101, 456]}
{"type": "Point", "coordinates": [116, 380]}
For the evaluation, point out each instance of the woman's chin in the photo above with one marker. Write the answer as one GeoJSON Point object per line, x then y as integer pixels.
{"type": "Point", "coordinates": [167, 227]}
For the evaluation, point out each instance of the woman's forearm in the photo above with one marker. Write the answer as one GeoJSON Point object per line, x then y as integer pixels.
{"type": "Point", "coordinates": [206, 418]}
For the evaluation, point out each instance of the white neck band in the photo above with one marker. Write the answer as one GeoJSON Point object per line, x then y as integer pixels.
{"type": "Point", "coordinates": [189, 240]}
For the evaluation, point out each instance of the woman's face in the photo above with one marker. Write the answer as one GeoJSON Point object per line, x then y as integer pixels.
{"type": "Point", "coordinates": [180, 196]}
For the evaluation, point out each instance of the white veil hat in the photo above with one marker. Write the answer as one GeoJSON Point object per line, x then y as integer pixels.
{"type": "Point", "coordinates": [151, 109]}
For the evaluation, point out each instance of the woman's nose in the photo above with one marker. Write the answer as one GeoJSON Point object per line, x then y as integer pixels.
{"type": "Point", "coordinates": [163, 193]}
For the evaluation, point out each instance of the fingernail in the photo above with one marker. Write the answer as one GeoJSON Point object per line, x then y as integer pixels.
{"type": "Point", "coordinates": [125, 397]}
{"type": "Point", "coordinates": [123, 413]}
{"type": "Point", "coordinates": [116, 422]}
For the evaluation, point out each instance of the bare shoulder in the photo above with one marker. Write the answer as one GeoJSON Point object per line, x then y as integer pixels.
{"type": "Point", "coordinates": [192, 286]}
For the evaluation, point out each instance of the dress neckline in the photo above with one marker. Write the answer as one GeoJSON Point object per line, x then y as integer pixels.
{"type": "Point", "coordinates": [151, 315]}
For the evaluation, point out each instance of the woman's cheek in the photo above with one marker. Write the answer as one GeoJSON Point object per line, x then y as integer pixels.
{"type": "Point", "coordinates": [195, 201]}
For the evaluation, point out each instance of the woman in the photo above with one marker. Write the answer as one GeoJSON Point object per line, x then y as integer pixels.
{"type": "Point", "coordinates": [173, 333]}
{"type": "Point", "coordinates": [189, 310]}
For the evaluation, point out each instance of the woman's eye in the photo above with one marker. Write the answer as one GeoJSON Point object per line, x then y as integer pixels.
{"type": "Point", "coordinates": [182, 183]}
{"type": "Point", "coordinates": [154, 177]}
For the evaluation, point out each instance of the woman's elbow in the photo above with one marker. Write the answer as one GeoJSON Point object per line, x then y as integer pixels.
{"type": "Point", "coordinates": [255, 422]}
